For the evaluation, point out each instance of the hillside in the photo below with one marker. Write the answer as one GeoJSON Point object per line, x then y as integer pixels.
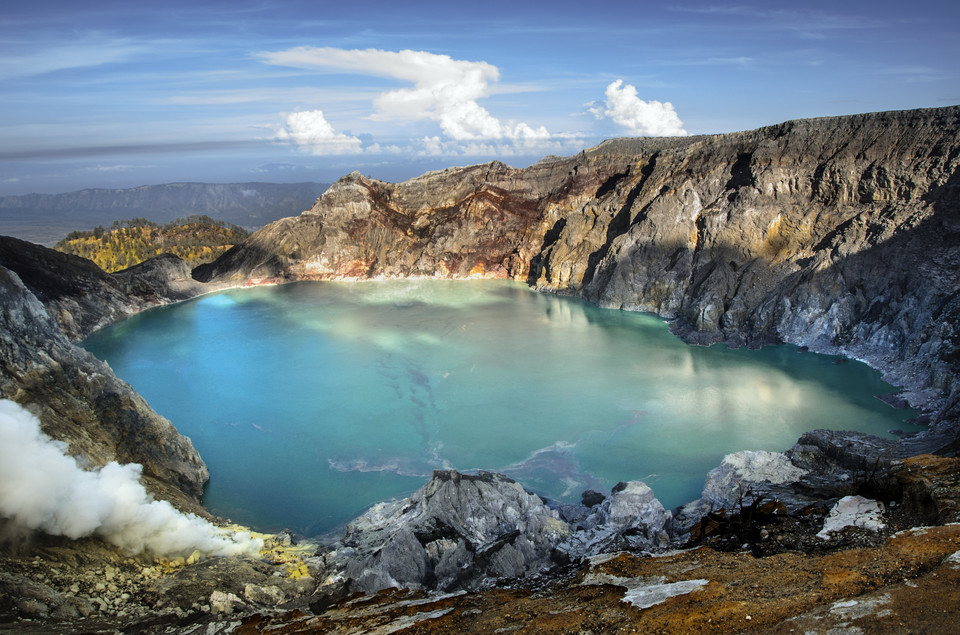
{"type": "Point", "coordinates": [195, 239]}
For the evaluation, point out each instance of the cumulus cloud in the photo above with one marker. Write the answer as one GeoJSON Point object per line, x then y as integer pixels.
{"type": "Point", "coordinates": [646, 118]}
{"type": "Point", "coordinates": [43, 488]}
{"type": "Point", "coordinates": [444, 90]}
{"type": "Point", "coordinates": [311, 130]}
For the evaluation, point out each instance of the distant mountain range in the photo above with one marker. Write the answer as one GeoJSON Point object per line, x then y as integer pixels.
{"type": "Point", "coordinates": [46, 218]}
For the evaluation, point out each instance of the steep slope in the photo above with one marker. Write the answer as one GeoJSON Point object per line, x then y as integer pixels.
{"type": "Point", "coordinates": [49, 298]}
{"type": "Point", "coordinates": [841, 234]}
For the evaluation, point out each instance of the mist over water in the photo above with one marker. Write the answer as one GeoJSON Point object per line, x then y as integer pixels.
{"type": "Point", "coordinates": [312, 401]}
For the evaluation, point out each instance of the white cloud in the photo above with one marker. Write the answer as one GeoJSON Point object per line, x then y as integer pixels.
{"type": "Point", "coordinates": [311, 130]}
{"type": "Point", "coordinates": [916, 73]}
{"type": "Point", "coordinates": [444, 90]}
{"type": "Point", "coordinates": [646, 118]}
{"type": "Point", "coordinates": [99, 169]}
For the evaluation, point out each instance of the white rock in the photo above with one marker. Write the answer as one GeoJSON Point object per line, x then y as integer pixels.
{"type": "Point", "coordinates": [727, 485]}
{"type": "Point", "coordinates": [221, 602]}
{"type": "Point", "coordinates": [853, 511]}
{"type": "Point", "coordinates": [953, 559]}
{"type": "Point", "coordinates": [738, 472]}
{"type": "Point", "coordinates": [645, 592]}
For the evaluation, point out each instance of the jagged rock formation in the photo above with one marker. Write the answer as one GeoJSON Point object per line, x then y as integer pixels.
{"type": "Point", "coordinates": [77, 398]}
{"type": "Point", "coordinates": [631, 518]}
{"type": "Point", "coordinates": [463, 531]}
{"type": "Point", "coordinates": [840, 234]}
{"type": "Point", "coordinates": [458, 531]}
{"type": "Point", "coordinates": [83, 298]}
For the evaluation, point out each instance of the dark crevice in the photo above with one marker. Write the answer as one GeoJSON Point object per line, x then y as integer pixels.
{"type": "Point", "coordinates": [839, 230]}
{"type": "Point", "coordinates": [611, 183]}
{"type": "Point", "coordinates": [539, 262]}
{"type": "Point", "coordinates": [740, 175]}
{"type": "Point", "coordinates": [621, 221]}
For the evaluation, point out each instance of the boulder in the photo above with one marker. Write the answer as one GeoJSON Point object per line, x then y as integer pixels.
{"type": "Point", "coordinates": [853, 511]}
{"type": "Point", "coordinates": [739, 480]}
{"type": "Point", "coordinates": [459, 531]}
{"type": "Point", "coordinates": [631, 518]}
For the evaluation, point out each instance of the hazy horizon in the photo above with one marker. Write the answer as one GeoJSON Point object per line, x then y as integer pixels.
{"type": "Point", "coordinates": [109, 94]}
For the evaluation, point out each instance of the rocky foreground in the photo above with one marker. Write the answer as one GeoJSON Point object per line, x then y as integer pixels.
{"type": "Point", "coordinates": [840, 234]}
{"type": "Point", "coordinates": [477, 554]}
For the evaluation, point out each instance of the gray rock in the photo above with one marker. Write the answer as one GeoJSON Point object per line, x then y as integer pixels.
{"type": "Point", "coordinates": [457, 532]}
{"type": "Point", "coordinates": [630, 518]}
{"type": "Point", "coordinates": [263, 594]}
{"type": "Point", "coordinates": [80, 401]}
{"type": "Point", "coordinates": [739, 480]}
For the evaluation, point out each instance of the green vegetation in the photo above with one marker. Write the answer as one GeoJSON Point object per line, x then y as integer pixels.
{"type": "Point", "coordinates": [196, 239]}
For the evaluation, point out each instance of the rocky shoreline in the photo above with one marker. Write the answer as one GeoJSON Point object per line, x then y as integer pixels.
{"type": "Point", "coordinates": [468, 541]}
{"type": "Point", "coordinates": [840, 235]}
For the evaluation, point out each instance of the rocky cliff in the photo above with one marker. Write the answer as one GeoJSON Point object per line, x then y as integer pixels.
{"type": "Point", "coordinates": [840, 234]}
{"type": "Point", "coordinates": [49, 300]}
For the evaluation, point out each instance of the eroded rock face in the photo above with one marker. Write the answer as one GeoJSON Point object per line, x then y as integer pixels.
{"type": "Point", "coordinates": [80, 401]}
{"type": "Point", "coordinates": [458, 531]}
{"type": "Point", "coordinates": [631, 518]}
{"type": "Point", "coordinates": [841, 234]}
{"type": "Point", "coordinates": [931, 487]}
{"type": "Point", "coordinates": [739, 480]}
{"type": "Point", "coordinates": [466, 532]}
{"type": "Point", "coordinates": [82, 298]}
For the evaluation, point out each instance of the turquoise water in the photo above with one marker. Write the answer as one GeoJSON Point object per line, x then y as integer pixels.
{"type": "Point", "coordinates": [312, 401]}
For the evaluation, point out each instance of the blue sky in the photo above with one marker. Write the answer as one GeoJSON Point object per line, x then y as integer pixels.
{"type": "Point", "coordinates": [119, 94]}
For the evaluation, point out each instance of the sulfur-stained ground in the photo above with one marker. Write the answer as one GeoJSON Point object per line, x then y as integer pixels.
{"type": "Point", "coordinates": [909, 584]}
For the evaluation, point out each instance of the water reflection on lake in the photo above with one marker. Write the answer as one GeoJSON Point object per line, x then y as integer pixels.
{"type": "Point", "coordinates": [311, 401]}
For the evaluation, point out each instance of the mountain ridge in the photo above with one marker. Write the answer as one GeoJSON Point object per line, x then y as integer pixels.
{"type": "Point", "coordinates": [46, 218]}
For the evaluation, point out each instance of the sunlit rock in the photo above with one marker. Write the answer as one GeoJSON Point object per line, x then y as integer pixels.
{"type": "Point", "coordinates": [739, 480]}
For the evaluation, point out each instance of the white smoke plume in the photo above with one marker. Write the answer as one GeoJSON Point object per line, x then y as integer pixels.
{"type": "Point", "coordinates": [625, 108]}
{"type": "Point", "coordinates": [43, 488]}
